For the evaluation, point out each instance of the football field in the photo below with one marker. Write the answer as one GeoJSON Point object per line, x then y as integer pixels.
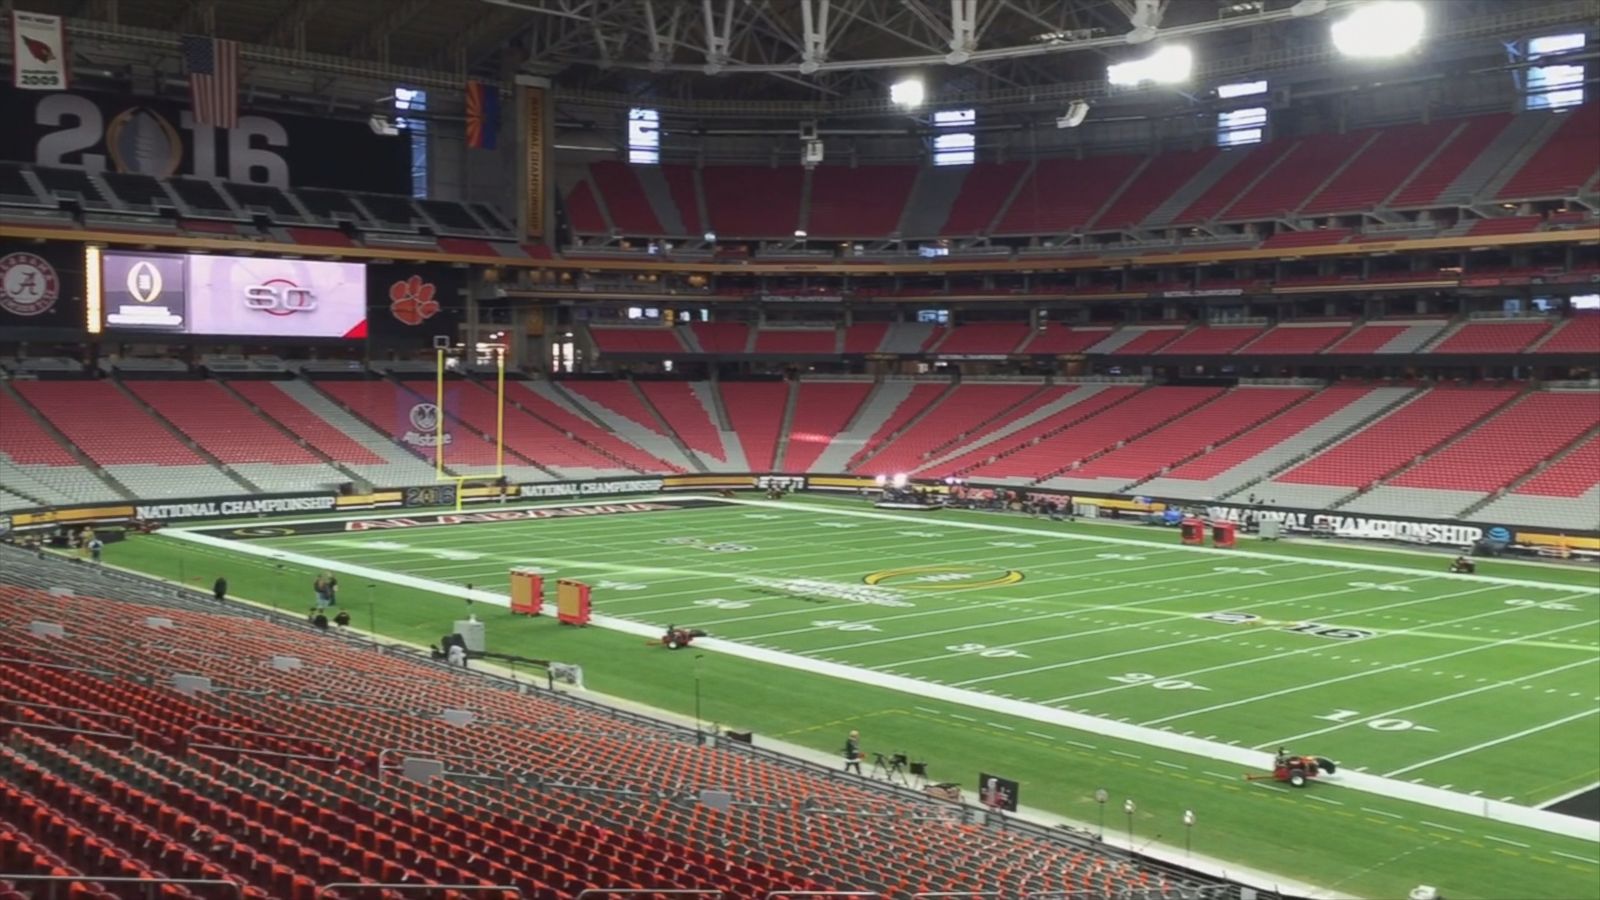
{"type": "Point", "coordinates": [1476, 697]}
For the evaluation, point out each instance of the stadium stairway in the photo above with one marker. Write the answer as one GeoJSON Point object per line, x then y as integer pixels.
{"type": "Point", "coordinates": [755, 412]}
{"type": "Point", "coordinates": [820, 411]}
{"type": "Point", "coordinates": [873, 412]}
{"type": "Point", "coordinates": [924, 399]}
{"type": "Point", "coordinates": [1561, 493]}
{"type": "Point", "coordinates": [289, 433]}
{"type": "Point", "coordinates": [1035, 450]}
{"type": "Point", "coordinates": [932, 196]}
{"type": "Point", "coordinates": [1277, 443]}
{"type": "Point", "coordinates": [1155, 410]}
{"type": "Point", "coordinates": [367, 402]}
{"type": "Point", "coordinates": [1185, 193]}
{"type": "Point", "coordinates": [619, 406]}
{"type": "Point", "coordinates": [791, 398]}
{"type": "Point", "coordinates": [1425, 425]}
{"type": "Point", "coordinates": [689, 417]}
{"type": "Point", "coordinates": [965, 407]}
{"type": "Point", "coordinates": [1483, 459]}
{"type": "Point", "coordinates": [623, 458]}
{"type": "Point", "coordinates": [340, 434]}
{"type": "Point", "coordinates": [732, 446]}
{"type": "Point", "coordinates": [1055, 402]}
{"type": "Point", "coordinates": [534, 450]}
{"type": "Point", "coordinates": [41, 464]}
{"type": "Point", "coordinates": [1488, 164]}
{"type": "Point", "coordinates": [221, 428]}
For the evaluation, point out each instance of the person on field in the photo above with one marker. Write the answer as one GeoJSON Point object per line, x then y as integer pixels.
{"type": "Point", "coordinates": [852, 753]}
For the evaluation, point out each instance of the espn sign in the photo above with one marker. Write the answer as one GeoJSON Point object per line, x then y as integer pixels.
{"type": "Point", "coordinates": [233, 296]}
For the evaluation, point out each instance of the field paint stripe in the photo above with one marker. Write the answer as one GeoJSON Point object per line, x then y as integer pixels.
{"type": "Point", "coordinates": [1074, 613]}
{"type": "Point", "coordinates": [1446, 698]}
{"type": "Point", "coordinates": [1363, 674]}
{"type": "Point", "coordinates": [1128, 755]}
{"type": "Point", "coordinates": [1490, 837]}
{"type": "Point", "coordinates": [962, 718]}
{"type": "Point", "coordinates": [1379, 812]}
{"type": "Point", "coordinates": [998, 725]}
{"type": "Point", "coordinates": [1592, 862]}
{"type": "Point", "coordinates": [1323, 800]}
{"type": "Point", "coordinates": [926, 710]}
{"type": "Point", "coordinates": [1081, 744]}
{"type": "Point", "coordinates": [1500, 740]}
{"type": "Point", "coordinates": [1443, 827]}
{"type": "Point", "coordinates": [1170, 765]}
{"type": "Point", "coordinates": [1234, 553]}
{"type": "Point", "coordinates": [1217, 774]}
{"type": "Point", "coordinates": [1038, 735]}
{"type": "Point", "coordinates": [1505, 812]}
{"type": "Point", "coordinates": [1239, 662]}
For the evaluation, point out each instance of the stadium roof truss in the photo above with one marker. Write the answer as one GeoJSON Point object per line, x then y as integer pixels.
{"type": "Point", "coordinates": [790, 58]}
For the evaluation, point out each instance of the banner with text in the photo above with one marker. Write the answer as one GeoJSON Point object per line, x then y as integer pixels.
{"type": "Point", "coordinates": [38, 52]}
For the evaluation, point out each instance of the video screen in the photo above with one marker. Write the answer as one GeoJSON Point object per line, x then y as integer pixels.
{"type": "Point", "coordinates": [233, 296]}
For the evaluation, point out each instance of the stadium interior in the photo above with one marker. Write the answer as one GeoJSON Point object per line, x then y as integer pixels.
{"type": "Point", "coordinates": [1333, 264]}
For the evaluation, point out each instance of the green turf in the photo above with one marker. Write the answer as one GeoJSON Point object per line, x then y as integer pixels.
{"type": "Point", "coordinates": [1451, 671]}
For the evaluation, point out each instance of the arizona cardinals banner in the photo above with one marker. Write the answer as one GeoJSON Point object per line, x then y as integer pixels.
{"type": "Point", "coordinates": [407, 305]}
{"type": "Point", "coordinates": [38, 52]}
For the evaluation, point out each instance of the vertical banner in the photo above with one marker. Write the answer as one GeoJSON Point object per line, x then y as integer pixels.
{"type": "Point", "coordinates": [483, 115]}
{"type": "Point", "coordinates": [533, 95]}
{"type": "Point", "coordinates": [416, 420]}
{"type": "Point", "coordinates": [38, 52]}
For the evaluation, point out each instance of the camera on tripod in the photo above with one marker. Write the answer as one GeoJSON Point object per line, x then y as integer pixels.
{"type": "Point", "coordinates": [894, 767]}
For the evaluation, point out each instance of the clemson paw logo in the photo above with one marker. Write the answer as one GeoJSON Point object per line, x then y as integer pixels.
{"type": "Point", "coordinates": [411, 300]}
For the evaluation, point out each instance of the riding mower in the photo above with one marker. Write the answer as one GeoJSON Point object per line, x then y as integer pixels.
{"type": "Point", "coordinates": [1296, 770]}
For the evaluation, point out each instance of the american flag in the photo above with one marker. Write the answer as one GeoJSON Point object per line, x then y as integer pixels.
{"type": "Point", "coordinates": [212, 65]}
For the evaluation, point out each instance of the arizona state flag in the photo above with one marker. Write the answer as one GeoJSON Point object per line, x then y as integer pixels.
{"type": "Point", "coordinates": [483, 115]}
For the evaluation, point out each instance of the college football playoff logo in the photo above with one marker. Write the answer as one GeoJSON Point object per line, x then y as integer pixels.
{"type": "Point", "coordinates": [28, 285]}
{"type": "Point", "coordinates": [144, 282]}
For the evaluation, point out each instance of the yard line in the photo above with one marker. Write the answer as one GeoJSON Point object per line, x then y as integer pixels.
{"type": "Point", "coordinates": [1569, 795]}
{"type": "Point", "coordinates": [1323, 800]}
{"type": "Point", "coordinates": [1187, 641]}
{"type": "Point", "coordinates": [1400, 709]}
{"type": "Point", "coordinates": [998, 725]}
{"type": "Point", "coordinates": [1228, 554]}
{"type": "Point", "coordinates": [1379, 812]}
{"type": "Point", "coordinates": [1374, 671]}
{"type": "Point", "coordinates": [1592, 862]}
{"type": "Point", "coordinates": [1038, 735]}
{"type": "Point", "coordinates": [1490, 837]}
{"type": "Point", "coordinates": [1080, 744]}
{"type": "Point", "coordinates": [1068, 614]}
{"type": "Point", "coordinates": [1501, 740]}
{"type": "Point", "coordinates": [1170, 765]}
{"type": "Point", "coordinates": [962, 718]}
{"type": "Point", "coordinates": [1443, 827]}
{"type": "Point", "coordinates": [1128, 755]}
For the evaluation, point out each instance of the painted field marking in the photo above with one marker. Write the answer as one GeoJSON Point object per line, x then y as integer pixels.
{"type": "Point", "coordinates": [1039, 735]}
{"type": "Point", "coordinates": [1592, 862]}
{"type": "Point", "coordinates": [1443, 827]}
{"type": "Point", "coordinates": [1500, 740]}
{"type": "Point", "coordinates": [1379, 812]}
{"type": "Point", "coordinates": [1490, 837]}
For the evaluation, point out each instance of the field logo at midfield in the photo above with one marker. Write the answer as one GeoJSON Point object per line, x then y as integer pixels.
{"type": "Point", "coordinates": [943, 578]}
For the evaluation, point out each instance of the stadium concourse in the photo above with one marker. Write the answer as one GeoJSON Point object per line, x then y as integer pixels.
{"type": "Point", "coordinates": [411, 294]}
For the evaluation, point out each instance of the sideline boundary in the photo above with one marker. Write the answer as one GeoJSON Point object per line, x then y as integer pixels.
{"type": "Point", "coordinates": [1510, 813]}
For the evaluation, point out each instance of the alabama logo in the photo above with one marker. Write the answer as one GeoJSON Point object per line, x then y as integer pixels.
{"type": "Point", "coordinates": [411, 300]}
{"type": "Point", "coordinates": [28, 284]}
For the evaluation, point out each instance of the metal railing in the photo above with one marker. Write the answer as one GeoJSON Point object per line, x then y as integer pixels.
{"type": "Point", "coordinates": [153, 885]}
{"type": "Point", "coordinates": [357, 885]}
{"type": "Point", "coordinates": [619, 892]}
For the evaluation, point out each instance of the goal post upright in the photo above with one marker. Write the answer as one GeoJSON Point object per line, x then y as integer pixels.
{"type": "Point", "coordinates": [438, 419]}
{"type": "Point", "coordinates": [500, 413]}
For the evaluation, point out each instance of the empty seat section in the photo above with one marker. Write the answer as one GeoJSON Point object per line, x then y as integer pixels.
{"type": "Point", "coordinates": [1064, 194]}
{"type": "Point", "coordinates": [1573, 475]}
{"type": "Point", "coordinates": [960, 412]}
{"type": "Point", "coordinates": [1191, 433]}
{"type": "Point", "coordinates": [864, 337]}
{"type": "Point", "coordinates": [1258, 440]}
{"type": "Point", "coordinates": [451, 216]}
{"type": "Point", "coordinates": [724, 338]}
{"type": "Point", "coordinates": [387, 407]}
{"type": "Point", "coordinates": [636, 340]}
{"type": "Point", "coordinates": [684, 412]}
{"type": "Point", "coordinates": [1569, 159]}
{"type": "Point", "coordinates": [1096, 434]}
{"type": "Point", "coordinates": [1495, 453]}
{"type": "Point", "coordinates": [863, 202]}
{"type": "Point", "coordinates": [1314, 237]}
{"type": "Point", "coordinates": [139, 191]}
{"type": "Point", "coordinates": [821, 411]}
{"type": "Point", "coordinates": [1580, 334]}
{"type": "Point", "coordinates": [314, 429]}
{"type": "Point", "coordinates": [797, 341]}
{"type": "Point", "coordinates": [201, 197]}
{"type": "Point", "coordinates": [619, 397]}
{"type": "Point", "coordinates": [983, 338]}
{"type": "Point", "coordinates": [1287, 340]}
{"type": "Point", "coordinates": [680, 184]}
{"type": "Point", "coordinates": [1492, 337]}
{"type": "Point", "coordinates": [1165, 175]}
{"type": "Point", "coordinates": [1468, 144]}
{"type": "Point", "coordinates": [1211, 339]}
{"type": "Point", "coordinates": [1145, 340]}
{"type": "Point", "coordinates": [1301, 170]}
{"type": "Point", "coordinates": [755, 410]}
{"type": "Point", "coordinates": [584, 430]}
{"type": "Point", "coordinates": [583, 210]}
{"type": "Point", "coordinates": [106, 424]}
{"type": "Point", "coordinates": [220, 423]}
{"type": "Point", "coordinates": [1380, 169]}
{"type": "Point", "coordinates": [920, 397]}
{"type": "Point", "coordinates": [264, 197]}
{"type": "Point", "coordinates": [1506, 225]}
{"type": "Point", "coordinates": [25, 441]}
{"type": "Point", "coordinates": [1222, 193]}
{"type": "Point", "coordinates": [534, 439]}
{"type": "Point", "coordinates": [619, 186]}
{"type": "Point", "coordinates": [985, 190]}
{"type": "Point", "coordinates": [1063, 339]}
{"type": "Point", "coordinates": [752, 201]}
{"type": "Point", "coordinates": [1397, 438]}
{"type": "Point", "coordinates": [1368, 338]}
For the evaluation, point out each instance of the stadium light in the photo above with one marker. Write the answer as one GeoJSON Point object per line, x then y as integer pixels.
{"type": "Point", "coordinates": [1380, 28]}
{"type": "Point", "coordinates": [899, 479]}
{"type": "Point", "coordinates": [1169, 65]}
{"type": "Point", "coordinates": [880, 480]}
{"type": "Point", "coordinates": [908, 93]}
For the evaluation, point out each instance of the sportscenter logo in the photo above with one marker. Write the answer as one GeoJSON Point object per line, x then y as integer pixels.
{"type": "Point", "coordinates": [280, 297]}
